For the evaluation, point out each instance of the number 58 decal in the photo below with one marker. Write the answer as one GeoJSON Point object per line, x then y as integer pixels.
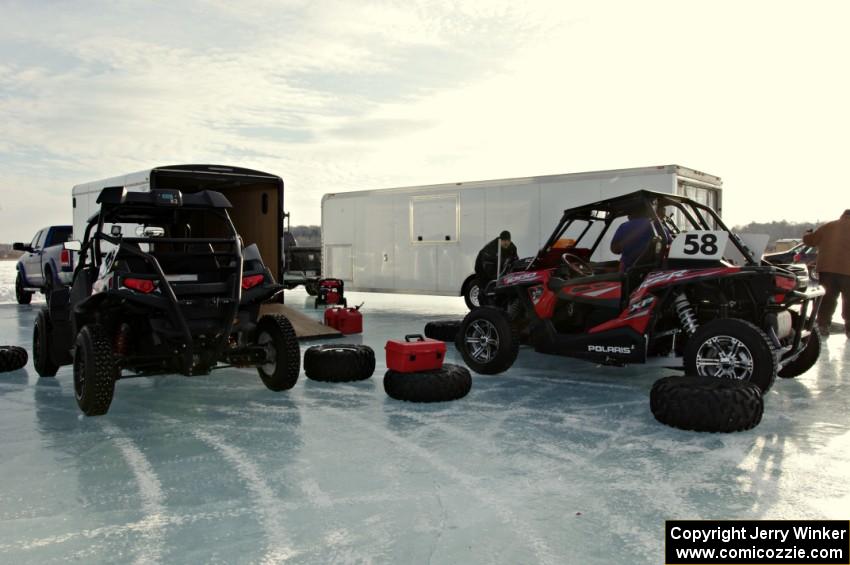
{"type": "Point", "coordinates": [702, 245]}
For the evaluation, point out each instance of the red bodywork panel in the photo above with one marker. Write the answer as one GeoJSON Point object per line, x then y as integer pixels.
{"type": "Point", "coordinates": [641, 302]}
{"type": "Point", "coordinates": [603, 290]}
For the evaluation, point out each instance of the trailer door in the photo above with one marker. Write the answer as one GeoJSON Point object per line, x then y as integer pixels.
{"type": "Point", "coordinates": [434, 219]}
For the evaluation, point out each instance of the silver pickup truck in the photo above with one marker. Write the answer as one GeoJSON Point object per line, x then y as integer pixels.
{"type": "Point", "coordinates": [45, 264]}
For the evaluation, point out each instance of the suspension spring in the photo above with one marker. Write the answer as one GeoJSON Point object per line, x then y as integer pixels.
{"type": "Point", "coordinates": [686, 313]}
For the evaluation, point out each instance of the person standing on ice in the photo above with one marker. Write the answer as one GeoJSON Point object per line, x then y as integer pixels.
{"type": "Point", "coordinates": [833, 242]}
{"type": "Point", "coordinates": [501, 251]}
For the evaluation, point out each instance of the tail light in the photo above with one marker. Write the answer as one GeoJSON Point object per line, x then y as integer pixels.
{"type": "Point", "coordinates": [797, 257]}
{"type": "Point", "coordinates": [784, 285]}
{"type": "Point", "coordinates": [65, 259]}
{"type": "Point", "coordinates": [251, 281]}
{"type": "Point", "coordinates": [145, 286]}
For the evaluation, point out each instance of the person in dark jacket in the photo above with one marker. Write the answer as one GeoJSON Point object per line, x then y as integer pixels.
{"type": "Point", "coordinates": [485, 263]}
{"type": "Point", "coordinates": [833, 240]}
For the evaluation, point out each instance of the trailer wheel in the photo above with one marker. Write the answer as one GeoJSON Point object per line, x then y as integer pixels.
{"type": "Point", "coordinates": [444, 330]}
{"type": "Point", "coordinates": [283, 356]}
{"type": "Point", "coordinates": [43, 361]}
{"type": "Point", "coordinates": [732, 348]}
{"type": "Point", "coordinates": [487, 341]}
{"type": "Point", "coordinates": [341, 363]}
{"type": "Point", "coordinates": [12, 358]}
{"type": "Point", "coordinates": [94, 370]}
{"type": "Point", "coordinates": [806, 360]}
{"type": "Point", "coordinates": [451, 382]}
{"type": "Point", "coordinates": [21, 295]}
{"type": "Point", "coordinates": [706, 404]}
{"type": "Point", "coordinates": [472, 293]}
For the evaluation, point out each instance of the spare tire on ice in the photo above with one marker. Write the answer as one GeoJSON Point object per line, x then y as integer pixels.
{"type": "Point", "coordinates": [12, 358]}
{"type": "Point", "coordinates": [706, 404]}
{"type": "Point", "coordinates": [339, 363]}
{"type": "Point", "coordinates": [448, 383]}
{"type": "Point", "coordinates": [444, 330]}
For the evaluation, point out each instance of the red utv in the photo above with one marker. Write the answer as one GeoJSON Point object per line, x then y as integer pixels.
{"type": "Point", "coordinates": [696, 298]}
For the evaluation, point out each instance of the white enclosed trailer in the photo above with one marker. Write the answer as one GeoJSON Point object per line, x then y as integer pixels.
{"type": "Point", "coordinates": [424, 239]}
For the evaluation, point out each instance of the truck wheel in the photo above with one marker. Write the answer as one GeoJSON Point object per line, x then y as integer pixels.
{"type": "Point", "coordinates": [472, 294]}
{"type": "Point", "coordinates": [94, 370]}
{"type": "Point", "coordinates": [706, 404]}
{"type": "Point", "coordinates": [311, 288]}
{"type": "Point", "coordinates": [730, 348]}
{"type": "Point", "coordinates": [448, 383]}
{"type": "Point", "coordinates": [21, 295]}
{"type": "Point", "coordinates": [44, 365]}
{"type": "Point", "coordinates": [806, 360]}
{"type": "Point", "coordinates": [12, 358]}
{"type": "Point", "coordinates": [339, 363]}
{"type": "Point", "coordinates": [487, 341]}
{"type": "Point", "coordinates": [283, 356]}
{"type": "Point", "coordinates": [48, 285]}
{"type": "Point", "coordinates": [444, 330]}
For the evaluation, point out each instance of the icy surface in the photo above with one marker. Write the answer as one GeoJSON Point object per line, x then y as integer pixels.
{"type": "Point", "coordinates": [555, 461]}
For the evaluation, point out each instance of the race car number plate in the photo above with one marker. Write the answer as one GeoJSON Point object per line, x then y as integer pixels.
{"type": "Point", "coordinates": [701, 245]}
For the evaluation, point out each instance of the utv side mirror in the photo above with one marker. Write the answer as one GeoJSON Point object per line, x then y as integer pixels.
{"type": "Point", "coordinates": [18, 246]}
{"type": "Point", "coordinates": [73, 245]}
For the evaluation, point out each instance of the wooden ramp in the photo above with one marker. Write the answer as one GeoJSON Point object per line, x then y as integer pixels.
{"type": "Point", "coordinates": [305, 326]}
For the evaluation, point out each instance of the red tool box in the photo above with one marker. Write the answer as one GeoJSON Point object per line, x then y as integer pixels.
{"type": "Point", "coordinates": [346, 320]}
{"type": "Point", "coordinates": [421, 354]}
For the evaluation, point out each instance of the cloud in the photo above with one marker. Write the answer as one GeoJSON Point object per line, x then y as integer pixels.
{"type": "Point", "coordinates": [335, 95]}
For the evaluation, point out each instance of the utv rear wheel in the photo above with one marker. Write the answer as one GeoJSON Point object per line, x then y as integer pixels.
{"type": "Point", "coordinates": [283, 356]}
{"type": "Point", "coordinates": [472, 293]}
{"type": "Point", "coordinates": [44, 365]}
{"type": "Point", "coordinates": [730, 348]}
{"type": "Point", "coordinates": [21, 295]}
{"type": "Point", "coordinates": [12, 358]}
{"type": "Point", "coordinates": [339, 363]}
{"type": "Point", "coordinates": [94, 370]}
{"type": "Point", "coordinates": [706, 404]}
{"type": "Point", "coordinates": [806, 360]}
{"type": "Point", "coordinates": [487, 341]}
{"type": "Point", "coordinates": [311, 288]}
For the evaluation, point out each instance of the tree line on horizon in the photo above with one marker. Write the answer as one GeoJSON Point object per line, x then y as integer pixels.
{"type": "Point", "coordinates": [782, 229]}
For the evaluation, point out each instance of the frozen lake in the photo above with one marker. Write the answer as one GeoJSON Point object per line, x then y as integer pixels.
{"type": "Point", "coordinates": [555, 461]}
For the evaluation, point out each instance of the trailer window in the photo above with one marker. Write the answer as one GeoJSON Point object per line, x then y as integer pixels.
{"type": "Point", "coordinates": [433, 219]}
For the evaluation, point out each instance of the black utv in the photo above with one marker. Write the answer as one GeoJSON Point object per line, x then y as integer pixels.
{"type": "Point", "coordinates": [177, 295]}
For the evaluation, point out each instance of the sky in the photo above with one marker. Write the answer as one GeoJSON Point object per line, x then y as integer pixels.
{"type": "Point", "coordinates": [338, 95]}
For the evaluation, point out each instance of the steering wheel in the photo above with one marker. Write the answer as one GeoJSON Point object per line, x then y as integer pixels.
{"type": "Point", "coordinates": [577, 265]}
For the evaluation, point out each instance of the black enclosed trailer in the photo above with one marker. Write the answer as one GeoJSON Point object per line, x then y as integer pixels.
{"type": "Point", "coordinates": [257, 199]}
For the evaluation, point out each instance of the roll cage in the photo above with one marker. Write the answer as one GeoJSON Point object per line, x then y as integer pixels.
{"type": "Point", "coordinates": [692, 215]}
{"type": "Point", "coordinates": [169, 208]}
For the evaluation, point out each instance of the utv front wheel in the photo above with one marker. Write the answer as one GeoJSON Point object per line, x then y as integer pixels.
{"type": "Point", "coordinates": [44, 365]}
{"type": "Point", "coordinates": [94, 370]}
{"type": "Point", "coordinates": [487, 341]}
{"type": "Point", "coordinates": [731, 348]}
{"type": "Point", "coordinates": [283, 356]}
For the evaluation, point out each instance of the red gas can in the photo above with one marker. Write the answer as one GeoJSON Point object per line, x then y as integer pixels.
{"type": "Point", "coordinates": [346, 320]}
{"type": "Point", "coordinates": [414, 354]}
